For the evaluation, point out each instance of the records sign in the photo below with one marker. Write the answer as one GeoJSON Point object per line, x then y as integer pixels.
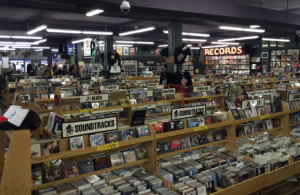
{"type": "Point", "coordinates": [294, 97]}
{"type": "Point", "coordinates": [246, 104]}
{"type": "Point", "coordinates": [201, 88]}
{"type": "Point", "coordinates": [89, 127]}
{"type": "Point", "coordinates": [179, 113]}
{"type": "Point", "coordinates": [109, 87]}
{"type": "Point", "coordinates": [168, 91]}
{"type": "Point", "coordinates": [94, 98]}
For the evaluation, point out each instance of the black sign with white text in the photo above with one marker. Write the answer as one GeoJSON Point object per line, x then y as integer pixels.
{"type": "Point", "coordinates": [179, 113]}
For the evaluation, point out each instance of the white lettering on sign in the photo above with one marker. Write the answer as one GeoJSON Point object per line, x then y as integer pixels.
{"type": "Point", "coordinates": [201, 88]}
{"type": "Point", "coordinates": [179, 113]}
{"type": "Point", "coordinates": [94, 98]}
{"type": "Point", "coordinates": [294, 97]}
{"type": "Point", "coordinates": [246, 104]}
{"type": "Point", "coordinates": [88, 127]}
{"type": "Point", "coordinates": [168, 91]}
{"type": "Point", "coordinates": [281, 87]}
{"type": "Point", "coordinates": [109, 87]}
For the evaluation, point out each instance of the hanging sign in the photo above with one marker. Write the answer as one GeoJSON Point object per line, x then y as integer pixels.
{"type": "Point", "coordinates": [28, 80]}
{"type": "Point", "coordinates": [223, 51]}
{"type": "Point", "coordinates": [168, 91]}
{"type": "Point", "coordinates": [294, 97]}
{"type": "Point", "coordinates": [201, 88]}
{"type": "Point", "coordinates": [179, 113]}
{"type": "Point", "coordinates": [87, 47]}
{"type": "Point", "coordinates": [89, 127]}
{"type": "Point", "coordinates": [94, 98]}
{"type": "Point", "coordinates": [109, 87]}
{"type": "Point", "coordinates": [246, 104]}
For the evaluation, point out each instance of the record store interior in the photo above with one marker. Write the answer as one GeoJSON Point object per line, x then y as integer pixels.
{"type": "Point", "coordinates": [150, 97]}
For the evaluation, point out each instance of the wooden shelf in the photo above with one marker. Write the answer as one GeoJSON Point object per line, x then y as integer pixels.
{"type": "Point", "coordinates": [44, 100]}
{"type": "Point", "coordinates": [191, 130]}
{"type": "Point", "coordinates": [89, 174]}
{"type": "Point", "coordinates": [297, 123]}
{"type": "Point", "coordinates": [192, 148]}
{"type": "Point", "coordinates": [225, 64]}
{"type": "Point", "coordinates": [97, 109]}
{"type": "Point", "coordinates": [23, 92]}
{"type": "Point", "coordinates": [260, 132]}
{"type": "Point", "coordinates": [156, 102]}
{"type": "Point", "coordinates": [245, 120]}
{"type": "Point", "coordinates": [122, 119]}
{"type": "Point", "coordinates": [289, 88]}
{"type": "Point", "coordinates": [200, 97]}
{"type": "Point", "coordinates": [87, 150]}
{"type": "Point", "coordinates": [158, 114]}
{"type": "Point", "coordinates": [50, 110]}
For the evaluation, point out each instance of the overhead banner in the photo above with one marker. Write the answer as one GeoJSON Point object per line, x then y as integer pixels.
{"type": "Point", "coordinates": [94, 98]}
{"type": "Point", "coordinates": [294, 97]}
{"type": "Point", "coordinates": [89, 127]}
{"type": "Point", "coordinates": [201, 88]}
{"type": "Point", "coordinates": [180, 113]}
{"type": "Point", "coordinates": [168, 91]}
{"type": "Point", "coordinates": [246, 104]}
{"type": "Point", "coordinates": [87, 47]}
{"type": "Point", "coordinates": [109, 87]}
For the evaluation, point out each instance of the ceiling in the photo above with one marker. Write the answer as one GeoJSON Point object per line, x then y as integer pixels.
{"type": "Point", "coordinates": [19, 16]}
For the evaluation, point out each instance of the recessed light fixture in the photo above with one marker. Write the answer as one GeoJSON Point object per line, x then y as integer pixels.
{"type": "Point", "coordinates": [191, 34]}
{"type": "Point", "coordinates": [81, 40]}
{"type": "Point", "coordinates": [254, 26]}
{"type": "Point", "coordinates": [272, 39]}
{"type": "Point", "coordinates": [240, 38]}
{"type": "Point", "coordinates": [123, 45]}
{"type": "Point", "coordinates": [40, 41]}
{"type": "Point", "coordinates": [227, 43]}
{"type": "Point", "coordinates": [54, 49]}
{"type": "Point", "coordinates": [136, 42]}
{"type": "Point", "coordinates": [6, 49]}
{"type": "Point", "coordinates": [25, 37]}
{"type": "Point", "coordinates": [100, 41]}
{"type": "Point", "coordinates": [162, 45]}
{"type": "Point", "coordinates": [97, 33]}
{"type": "Point", "coordinates": [5, 36]}
{"type": "Point", "coordinates": [194, 47]}
{"type": "Point", "coordinates": [195, 40]}
{"type": "Point", "coordinates": [63, 31]}
{"type": "Point", "coordinates": [24, 43]}
{"type": "Point", "coordinates": [212, 46]}
{"type": "Point", "coordinates": [241, 29]}
{"type": "Point", "coordinates": [137, 31]}
{"type": "Point", "coordinates": [21, 45]}
{"type": "Point", "coordinates": [40, 28]}
{"type": "Point", "coordinates": [93, 12]}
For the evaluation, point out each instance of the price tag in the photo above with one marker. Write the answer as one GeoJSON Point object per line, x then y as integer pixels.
{"type": "Point", "coordinates": [265, 116]}
{"type": "Point", "coordinates": [108, 146]}
{"type": "Point", "coordinates": [201, 128]}
{"type": "Point", "coordinates": [86, 110]}
{"type": "Point", "coordinates": [204, 97]}
{"type": "Point", "coordinates": [162, 102]}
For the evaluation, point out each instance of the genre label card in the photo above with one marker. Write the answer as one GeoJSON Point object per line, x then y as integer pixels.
{"type": "Point", "coordinates": [179, 113]}
{"type": "Point", "coordinates": [94, 98]}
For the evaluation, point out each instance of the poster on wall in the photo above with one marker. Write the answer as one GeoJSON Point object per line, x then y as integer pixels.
{"type": "Point", "coordinates": [132, 51]}
{"type": "Point", "coordinates": [126, 52]}
{"type": "Point", "coordinates": [86, 47]}
{"type": "Point", "coordinates": [119, 50]}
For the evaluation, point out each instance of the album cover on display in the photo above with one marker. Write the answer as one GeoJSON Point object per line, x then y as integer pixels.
{"type": "Point", "coordinates": [254, 107]}
{"type": "Point", "coordinates": [127, 134]}
{"type": "Point", "coordinates": [165, 147]}
{"type": "Point", "coordinates": [70, 169]}
{"type": "Point", "coordinates": [97, 139]}
{"type": "Point", "coordinates": [100, 161]}
{"type": "Point", "coordinates": [142, 131]}
{"type": "Point", "coordinates": [242, 113]}
{"type": "Point", "coordinates": [202, 139]}
{"type": "Point", "coordinates": [141, 152]}
{"type": "Point", "coordinates": [193, 122]}
{"type": "Point", "coordinates": [138, 117]}
{"type": "Point", "coordinates": [129, 156]}
{"type": "Point", "coordinates": [116, 159]}
{"type": "Point", "coordinates": [52, 174]}
{"type": "Point", "coordinates": [218, 136]}
{"type": "Point", "coordinates": [175, 145]}
{"type": "Point", "coordinates": [85, 166]}
{"type": "Point", "coordinates": [36, 177]}
{"type": "Point", "coordinates": [194, 140]}
{"type": "Point", "coordinates": [111, 137]}
{"type": "Point", "coordinates": [247, 130]}
{"type": "Point", "coordinates": [35, 150]}
{"type": "Point", "coordinates": [76, 143]}
{"type": "Point", "coordinates": [158, 127]}
{"type": "Point", "coordinates": [185, 143]}
{"type": "Point", "coordinates": [51, 147]}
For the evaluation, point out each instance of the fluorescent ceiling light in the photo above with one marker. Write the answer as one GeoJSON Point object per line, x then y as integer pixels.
{"type": "Point", "coordinates": [5, 49]}
{"type": "Point", "coordinates": [189, 45]}
{"type": "Point", "coordinates": [21, 45]}
{"type": "Point", "coordinates": [196, 40]}
{"type": "Point", "coordinates": [240, 38]}
{"type": "Point", "coordinates": [123, 45]}
{"type": "Point", "coordinates": [227, 43]}
{"type": "Point", "coordinates": [136, 31]}
{"type": "Point", "coordinates": [191, 34]}
{"type": "Point", "coordinates": [63, 31]}
{"type": "Point", "coordinates": [242, 29]}
{"type": "Point", "coordinates": [94, 12]}
{"type": "Point", "coordinates": [54, 49]}
{"type": "Point", "coordinates": [136, 42]}
{"type": "Point", "coordinates": [254, 26]}
{"type": "Point", "coordinates": [40, 41]}
{"type": "Point", "coordinates": [212, 46]}
{"type": "Point", "coordinates": [162, 45]}
{"type": "Point", "coordinates": [26, 37]}
{"type": "Point", "coordinates": [5, 36]}
{"type": "Point", "coordinates": [100, 41]}
{"type": "Point", "coordinates": [97, 33]}
{"type": "Point", "coordinates": [25, 47]}
{"type": "Point", "coordinates": [40, 28]}
{"type": "Point", "coordinates": [81, 40]}
{"type": "Point", "coordinates": [194, 47]}
{"type": "Point", "coordinates": [40, 47]}
{"type": "Point", "coordinates": [272, 39]}
{"type": "Point", "coordinates": [38, 50]}
{"type": "Point", "coordinates": [6, 42]}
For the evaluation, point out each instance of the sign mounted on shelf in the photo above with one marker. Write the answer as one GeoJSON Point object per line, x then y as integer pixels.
{"type": "Point", "coordinates": [294, 80]}
{"type": "Point", "coordinates": [109, 87]}
{"type": "Point", "coordinates": [89, 127]}
{"type": "Point", "coordinates": [179, 113]}
{"type": "Point", "coordinates": [246, 103]}
{"type": "Point", "coordinates": [94, 98]}
{"type": "Point", "coordinates": [28, 80]}
{"type": "Point", "coordinates": [96, 78]}
{"type": "Point", "coordinates": [294, 97]}
{"type": "Point", "coordinates": [168, 91]}
{"type": "Point", "coordinates": [281, 88]}
{"type": "Point", "coordinates": [201, 88]}
{"type": "Point", "coordinates": [223, 51]}
{"type": "Point", "coordinates": [148, 93]}
{"type": "Point", "coordinates": [152, 84]}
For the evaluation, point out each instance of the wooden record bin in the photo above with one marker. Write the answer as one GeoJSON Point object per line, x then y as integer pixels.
{"type": "Point", "coordinates": [220, 97]}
